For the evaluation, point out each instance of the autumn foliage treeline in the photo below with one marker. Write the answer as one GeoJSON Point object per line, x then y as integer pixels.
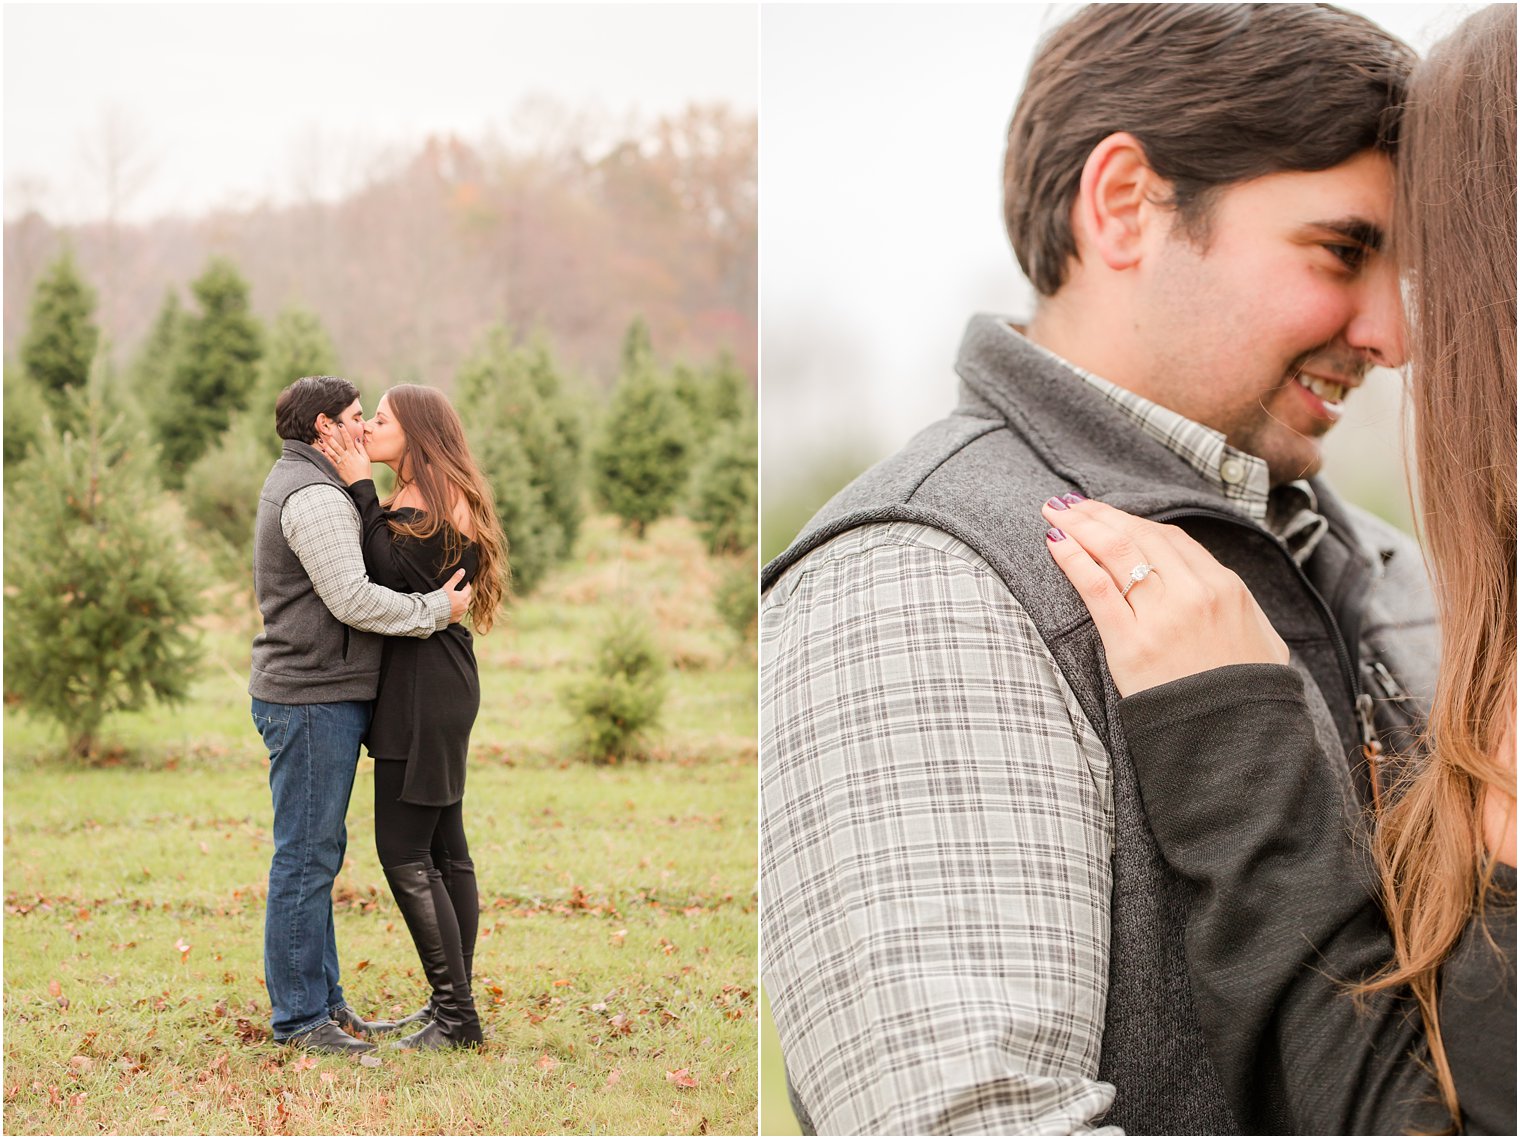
{"type": "Point", "coordinates": [455, 236]}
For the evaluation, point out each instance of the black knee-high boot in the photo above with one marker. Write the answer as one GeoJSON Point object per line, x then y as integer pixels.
{"type": "Point", "coordinates": [424, 903]}
{"type": "Point", "coordinates": [459, 881]}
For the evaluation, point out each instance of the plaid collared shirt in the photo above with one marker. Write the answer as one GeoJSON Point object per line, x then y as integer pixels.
{"type": "Point", "coordinates": [322, 526]}
{"type": "Point", "coordinates": [937, 832]}
{"type": "Point", "coordinates": [1290, 511]}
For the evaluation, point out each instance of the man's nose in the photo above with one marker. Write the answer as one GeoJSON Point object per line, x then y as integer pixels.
{"type": "Point", "coordinates": [1377, 327]}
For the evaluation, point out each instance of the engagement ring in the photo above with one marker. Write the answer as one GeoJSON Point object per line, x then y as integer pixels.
{"type": "Point", "coordinates": [1136, 576]}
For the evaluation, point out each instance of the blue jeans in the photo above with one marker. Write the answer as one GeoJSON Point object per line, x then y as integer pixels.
{"type": "Point", "coordinates": [313, 753]}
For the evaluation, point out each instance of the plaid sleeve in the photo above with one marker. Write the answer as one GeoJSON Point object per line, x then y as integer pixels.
{"type": "Point", "coordinates": [935, 846]}
{"type": "Point", "coordinates": [321, 524]}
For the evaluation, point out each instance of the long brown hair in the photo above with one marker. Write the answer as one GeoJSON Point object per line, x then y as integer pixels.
{"type": "Point", "coordinates": [1455, 242]}
{"type": "Point", "coordinates": [437, 461]}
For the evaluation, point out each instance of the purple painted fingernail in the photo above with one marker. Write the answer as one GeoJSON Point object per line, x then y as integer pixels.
{"type": "Point", "coordinates": [1072, 498]}
{"type": "Point", "coordinates": [1055, 504]}
{"type": "Point", "coordinates": [1054, 535]}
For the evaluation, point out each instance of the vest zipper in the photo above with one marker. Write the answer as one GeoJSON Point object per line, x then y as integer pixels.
{"type": "Point", "coordinates": [1361, 702]}
{"type": "Point", "coordinates": [1388, 684]}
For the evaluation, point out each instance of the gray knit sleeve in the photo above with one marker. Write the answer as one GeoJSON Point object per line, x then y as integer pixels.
{"type": "Point", "coordinates": [1245, 805]}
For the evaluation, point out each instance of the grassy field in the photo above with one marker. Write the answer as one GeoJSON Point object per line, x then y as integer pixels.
{"type": "Point", "coordinates": [615, 973]}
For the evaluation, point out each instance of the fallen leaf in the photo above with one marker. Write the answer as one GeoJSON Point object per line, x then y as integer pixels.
{"type": "Point", "coordinates": [613, 1077]}
{"type": "Point", "coordinates": [306, 1063]}
{"type": "Point", "coordinates": [560, 984]}
{"type": "Point", "coordinates": [250, 1033]}
{"type": "Point", "coordinates": [328, 1077]}
{"type": "Point", "coordinates": [55, 989]}
{"type": "Point", "coordinates": [160, 1112]}
{"type": "Point", "coordinates": [361, 966]}
{"type": "Point", "coordinates": [546, 1063]}
{"type": "Point", "coordinates": [80, 1064]}
{"type": "Point", "coordinates": [184, 949]}
{"type": "Point", "coordinates": [682, 1078]}
{"type": "Point", "coordinates": [371, 1061]}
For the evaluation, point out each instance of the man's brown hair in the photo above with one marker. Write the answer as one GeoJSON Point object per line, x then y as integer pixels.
{"type": "Point", "coordinates": [1216, 94]}
{"type": "Point", "coordinates": [297, 407]}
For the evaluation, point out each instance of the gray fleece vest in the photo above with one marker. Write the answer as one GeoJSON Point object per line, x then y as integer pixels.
{"type": "Point", "coordinates": [1358, 618]}
{"type": "Point", "coordinates": [305, 655]}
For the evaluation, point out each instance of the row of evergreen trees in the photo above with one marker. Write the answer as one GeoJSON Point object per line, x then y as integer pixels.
{"type": "Point", "coordinates": [88, 451]}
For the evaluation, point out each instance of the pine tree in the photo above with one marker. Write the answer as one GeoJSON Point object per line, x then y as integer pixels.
{"type": "Point", "coordinates": [25, 406]}
{"type": "Point", "coordinates": [61, 336]}
{"type": "Point", "coordinates": [298, 346]}
{"type": "Point", "coordinates": [737, 598]}
{"type": "Point", "coordinates": [526, 434]}
{"type": "Point", "coordinates": [101, 599]}
{"type": "Point", "coordinates": [152, 369]}
{"type": "Point", "coordinates": [221, 492]}
{"type": "Point", "coordinates": [730, 398]}
{"type": "Point", "coordinates": [715, 397]}
{"type": "Point", "coordinates": [558, 456]}
{"type": "Point", "coordinates": [638, 350]}
{"type": "Point", "coordinates": [614, 708]}
{"type": "Point", "coordinates": [643, 459]}
{"type": "Point", "coordinates": [727, 490]}
{"type": "Point", "coordinates": [214, 373]}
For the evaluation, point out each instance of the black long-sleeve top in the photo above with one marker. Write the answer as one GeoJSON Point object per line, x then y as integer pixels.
{"type": "Point", "coordinates": [1245, 805]}
{"type": "Point", "coordinates": [429, 690]}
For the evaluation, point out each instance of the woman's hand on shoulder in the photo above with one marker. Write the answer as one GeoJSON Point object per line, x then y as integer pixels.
{"type": "Point", "coordinates": [348, 456]}
{"type": "Point", "coordinates": [1185, 614]}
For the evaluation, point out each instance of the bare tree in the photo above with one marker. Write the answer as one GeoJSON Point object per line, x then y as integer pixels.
{"type": "Point", "coordinates": [118, 156]}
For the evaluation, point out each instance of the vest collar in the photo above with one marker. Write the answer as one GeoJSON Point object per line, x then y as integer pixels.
{"type": "Point", "coordinates": [1074, 427]}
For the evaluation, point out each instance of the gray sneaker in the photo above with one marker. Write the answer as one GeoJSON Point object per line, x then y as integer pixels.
{"type": "Point", "coordinates": [328, 1038]}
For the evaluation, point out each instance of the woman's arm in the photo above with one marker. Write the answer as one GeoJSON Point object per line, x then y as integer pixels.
{"type": "Point", "coordinates": [1246, 806]}
{"type": "Point", "coordinates": [384, 557]}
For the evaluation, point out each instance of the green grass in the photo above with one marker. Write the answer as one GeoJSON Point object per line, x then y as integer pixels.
{"type": "Point", "coordinates": [615, 971]}
{"type": "Point", "coordinates": [776, 1116]}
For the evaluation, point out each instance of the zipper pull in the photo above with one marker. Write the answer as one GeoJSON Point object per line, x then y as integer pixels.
{"type": "Point", "coordinates": [1372, 749]}
{"type": "Point", "coordinates": [1385, 679]}
{"type": "Point", "coordinates": [1370, 744]}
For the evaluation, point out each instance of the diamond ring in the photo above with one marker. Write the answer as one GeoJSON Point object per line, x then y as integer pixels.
{"type": "Point", "coordinates": [1136, 576]}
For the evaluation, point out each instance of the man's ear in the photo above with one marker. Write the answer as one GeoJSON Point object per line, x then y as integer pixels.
{"type": "Point", "coordinates": [1117, 201]}
{"type": "Point", "coordinates": [324, 424]}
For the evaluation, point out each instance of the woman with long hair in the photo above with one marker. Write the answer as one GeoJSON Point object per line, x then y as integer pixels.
{"type": "Point", "coordinates": [439, 519]}
{"type": "Point", "coordinates": [1306, 961]}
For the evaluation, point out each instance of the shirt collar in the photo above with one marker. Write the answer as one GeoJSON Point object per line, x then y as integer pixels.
{"type": "Point", "coordinates": [1289, 511]}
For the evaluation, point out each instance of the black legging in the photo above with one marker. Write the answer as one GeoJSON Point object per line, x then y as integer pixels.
{"type": "Point", "coordinates": [406, 833]}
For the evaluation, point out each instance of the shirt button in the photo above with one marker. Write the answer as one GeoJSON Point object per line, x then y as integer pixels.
{"type": "Point", "coordinates": [1232, 470]}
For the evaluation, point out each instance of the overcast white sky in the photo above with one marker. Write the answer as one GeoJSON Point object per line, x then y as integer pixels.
{"type": "Point", "coordinates": [881, 228]}
{"type": "Point", "coordinates": [232, 103]}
